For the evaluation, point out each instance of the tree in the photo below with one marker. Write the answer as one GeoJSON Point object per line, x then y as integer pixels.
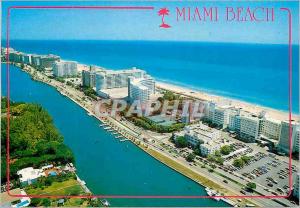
{"type": "Point", "coordinates": [34, 140]}
{"type": "Point", "coordinates": [226, 149]}
{"type": "Point", "coordinates": [238, 163]}
{"type": "Point", "coordinates": [46, 202]}
{"type": "Point", "coordinates": [181, 142]}
{"type": "Point", "coordinates": [197, 151]}
{"type": "Point", "coordinates": [246, 158]}
{"type": "Point", "coordinates": [210, 158]}
{"type": "Point", "coordinates": [217, 153]}
{"type": "Point", "coordinates": [35, 202]}
{"type": "Point", "coordinates": [190, 157]}
{"type": "Point", "coordinates": [219, 160]}
{"type": "Point", "coordinates": [251, 185]}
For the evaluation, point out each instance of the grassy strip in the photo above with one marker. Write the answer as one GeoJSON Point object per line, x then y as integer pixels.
{"type": "Point", "coordinates": [59, 188]}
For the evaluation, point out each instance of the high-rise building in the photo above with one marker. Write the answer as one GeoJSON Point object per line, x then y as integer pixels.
{"type": "Point", "coordinates": [89, 76]}
{"type": "Point", "coordinates": [109, 79]}
{"type": "Point", "coordinates": [284, 140]}
{"type": "Point", "coordinates": [141, 88]}
{"type": "Point", "coordinates": [65, 68]}
{"type": "Point", "coordinates": [48, 61]}
{"type": "Point", "coordinates": [15, 56]}
{"type": "Point", "coordinates": [270, 128]}
{"type": "Point", "coordinates": [36, 60]}
{"type": "Point", "coordinates": [246, 125]}
{"type": "Point", "coordinates": [26, 58]}
{"type": "Point", "coordinates": [218, 114]}
{"type": "Point", "coordinates": [249, 128]}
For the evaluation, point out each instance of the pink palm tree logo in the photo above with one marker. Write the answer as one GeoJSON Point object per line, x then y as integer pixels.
{"type": "Point", "coordinates": [162, 12]}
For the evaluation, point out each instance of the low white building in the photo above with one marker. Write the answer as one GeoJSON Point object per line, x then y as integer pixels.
{"type": "Point", "coordinates": [65, 68]}
{"type": "Point", "coordinates": [29, 175]}
{"type": "Point", "coordinates": [209, 148]}
{"type": "Point", "coordinates": [199, 133]}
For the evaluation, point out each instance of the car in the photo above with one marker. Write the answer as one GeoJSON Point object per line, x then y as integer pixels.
{"type": "Point", "coordinates": [280, 190]}
{"type": "Point", "coordinates": [225, 181]}
{"type": "Point", "coordinates": [270, 184]}
{"type": "Point", "coordinates": [243, 192]}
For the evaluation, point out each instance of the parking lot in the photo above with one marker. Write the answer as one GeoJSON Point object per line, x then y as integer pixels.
{"type": "Point", "coordinates": [269, 172]}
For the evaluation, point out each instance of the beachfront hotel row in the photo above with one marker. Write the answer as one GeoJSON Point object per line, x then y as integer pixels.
{"type": "Point", "coordinates": [135, 84]}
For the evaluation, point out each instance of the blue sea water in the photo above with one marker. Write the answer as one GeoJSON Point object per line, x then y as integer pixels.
{"type": "Point", "coordinates": [108, 166]}
{"type": "Point", "coordinates": [256, 73]}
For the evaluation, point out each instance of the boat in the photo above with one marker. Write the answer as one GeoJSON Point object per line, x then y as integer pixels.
{"type": "Point", "coordinates": [105, 202]}
{"type": "Point", "coordinates": [208, 191]}
{"type": "Point", "coordinates": [211, 192]}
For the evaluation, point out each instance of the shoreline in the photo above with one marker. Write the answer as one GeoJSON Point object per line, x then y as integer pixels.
{"type": "Point", "coordinates": [246, 106]}
{"type": "Point", "coordinates": [215, 93]}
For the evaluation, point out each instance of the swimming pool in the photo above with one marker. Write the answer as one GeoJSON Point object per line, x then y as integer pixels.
{"type": "Point", "coordinates": [52, 173]}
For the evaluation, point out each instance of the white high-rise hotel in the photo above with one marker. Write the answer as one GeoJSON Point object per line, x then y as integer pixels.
{"type": "Point", "coordinates": [140, 85]}
{"type": "Point", "coordinates": [141, 88]}
{"type": "Point", "coordinates": [110, 79]}
{"type": "Point", "coordinates": [64, 68]}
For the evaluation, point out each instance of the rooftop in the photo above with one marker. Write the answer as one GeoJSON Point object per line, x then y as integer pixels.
{"type": "Point", "coordinates": [29, 174]}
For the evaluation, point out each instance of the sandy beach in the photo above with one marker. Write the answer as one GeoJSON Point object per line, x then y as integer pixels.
{"type": "Point", "coordinates": [248, 107]}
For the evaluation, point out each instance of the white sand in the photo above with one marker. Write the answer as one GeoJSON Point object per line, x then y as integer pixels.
{"type": "Point", "coordinates": [249, 107]}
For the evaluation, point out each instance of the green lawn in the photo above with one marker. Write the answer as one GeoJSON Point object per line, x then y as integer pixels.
{"type": "Point", "coordinates": [68, 187]}
{"type": "Point", "coordinates": [65, 188]}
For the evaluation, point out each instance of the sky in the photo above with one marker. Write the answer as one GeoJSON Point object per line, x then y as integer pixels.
{"type": "Point", "coordinates": [95, 24]}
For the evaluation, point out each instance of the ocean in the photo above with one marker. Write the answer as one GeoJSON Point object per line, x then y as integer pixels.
{"type": "Point", "coordinates": [256, 73]}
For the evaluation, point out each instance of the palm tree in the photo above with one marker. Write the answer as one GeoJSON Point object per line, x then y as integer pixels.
{"type": "Point", "coordinates": [162, 12]}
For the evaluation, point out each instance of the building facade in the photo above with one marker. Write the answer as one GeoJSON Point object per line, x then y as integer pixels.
{"type": "Point", "coordinates": [199, 134]}
{"type": "Point", "coordinates": [65, 68]}
{"type": "Point", "coordinates": [26, 58]}
{"type": "Point", "coordinates": [284, 140]}
{"type": "Point", "coordinates": [36, 60]}
{"type": "Point", "coordinates": [209, 148]}
{"type": "Point", "coordinates": [89, 76]}
{"type": "Point", "coordinates": [270, 128]}
{"type": "Point", "coordinates": [110, 79]}
{"type": "Point", "coordinates": [48, 61]}
{"type": "Point", "coordinates": [246, 125]}
{"type": "Point", "coordinates": [141, 88]}
{"type": "Point", "coordinates": [296, 187]}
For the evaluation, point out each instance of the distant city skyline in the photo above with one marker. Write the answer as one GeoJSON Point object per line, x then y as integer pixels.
{"type": "Point", "coordinates": [83, 24]}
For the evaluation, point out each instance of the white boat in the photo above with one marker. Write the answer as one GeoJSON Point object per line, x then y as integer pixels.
{"type": "Point", "coordinates": [105, 202]}
{"type": "Point", "coordinates": [211, 192]}
{"type": "Point", "coordinates": [208, 191]}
